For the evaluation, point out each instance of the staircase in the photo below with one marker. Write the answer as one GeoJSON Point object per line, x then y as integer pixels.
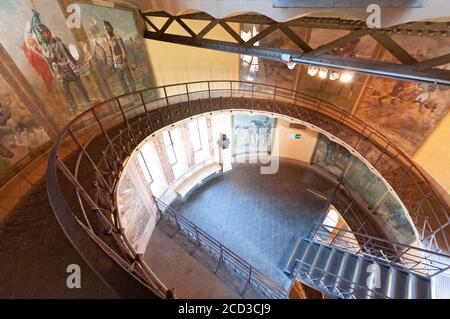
{"type": "Point", "coordinates": [339, 273]}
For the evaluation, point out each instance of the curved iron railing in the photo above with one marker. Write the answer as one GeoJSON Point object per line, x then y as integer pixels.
{"type": "Point", "coordinates": [106, 134]}
{"type": "Point", "coordinates": [253, 276]}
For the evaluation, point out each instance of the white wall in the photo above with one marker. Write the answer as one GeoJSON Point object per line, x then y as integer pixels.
{"type": "Point", "coordinates": [301, 150]}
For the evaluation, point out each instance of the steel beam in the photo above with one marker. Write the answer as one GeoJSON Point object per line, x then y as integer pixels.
{"type": "Point", "coordinates": [420, 28]}
{"type": "Point", "coordinates": [377, 68]}
{"type": "Point", "coordinates": [396, 50]}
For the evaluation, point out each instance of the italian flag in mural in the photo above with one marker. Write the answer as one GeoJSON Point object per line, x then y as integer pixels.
{"type": "Point", "coordinates": [32, 48]}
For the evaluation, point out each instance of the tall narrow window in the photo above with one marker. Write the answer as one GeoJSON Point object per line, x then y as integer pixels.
{"type": "Point", "coordinates": [145, 168]}
{"type": "Point", "coordinates": [168, 143]}
{"type": "Point", "coordinates": [194, 129]}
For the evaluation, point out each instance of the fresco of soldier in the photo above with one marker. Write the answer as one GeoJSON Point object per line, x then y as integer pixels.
{"type": "Point", "coordinates": [116, 56]}
{"type": "Point", "coordinates": [64, 66]}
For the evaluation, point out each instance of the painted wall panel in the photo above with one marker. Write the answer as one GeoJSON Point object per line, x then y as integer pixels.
{"type": "Point", "coordinates": [297, 149]}
{"type": "Point", "coordinates": [434, 156]}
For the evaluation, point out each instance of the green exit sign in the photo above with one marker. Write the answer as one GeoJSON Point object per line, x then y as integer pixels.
{"type": "Point", "coordinates": [295, 136]}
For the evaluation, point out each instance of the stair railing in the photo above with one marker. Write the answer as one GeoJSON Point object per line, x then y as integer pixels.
{"type": "Point", "coordinates": [406, 257]}
{"type": "Point", "coordinates": [338, 286]}
{"type": "Point", "coordinates": [225, 255]}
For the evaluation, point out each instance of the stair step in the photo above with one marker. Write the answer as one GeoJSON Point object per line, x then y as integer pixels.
{"type": "Point", "coordinates": [345, 283]}
{"type": "Point", "coordinates": [311, 254]}
{"type": "Point", "coordinates": [333, 268]}
{"type": "Point", "coordinates": [391, 282]}
{"type": "Point", "coordinates": [361, 290]}
{"type": "Point", "coordinates": [379, 290]}
{"type": "Point", "coordinates": [417, 287]}
{"type": "Point", "coordinates": [320, 262]}
{"type": "Point", "coordinates": [297, 253]}
{"type": "Point", "coordinates": [422, 288]}
{"type": "Point", "coordinates": [401, 283]}
{"type": "Point", "coordinates": [341, 270]}
{"type": "Point", "coordinates": [345, 274]}
{"type": "Point", "coordinates": [356, 274]}
{"type": "Point", "coordinates": [410, 292]}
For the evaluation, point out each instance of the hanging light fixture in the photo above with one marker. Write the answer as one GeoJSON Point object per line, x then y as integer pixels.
{"type": "Point", "coordinates": [291, 65]}
{"type": "Point", "coordinates": [287, 59]}
{"type": "Point", "coordinates": [312, 70]}
{"type": "Point", "coordinates": [334, 75]}
{"type": "Point", "coordinates": [323, 73]}
{"type": "Point", "coordinates": [346, 77]}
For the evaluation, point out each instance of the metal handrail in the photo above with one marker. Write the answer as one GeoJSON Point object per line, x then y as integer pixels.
{"type": "Point", "coordinates": [302, 273]}
{"type": "Point", "coordinates": [137, 121]}
{"type": "Point", "coordinates": [406, 257]}
{"type": "Point", "coordinates": [253, 275]}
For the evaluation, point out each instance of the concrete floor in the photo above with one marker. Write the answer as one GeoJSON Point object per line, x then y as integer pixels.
{"type": "Point", "coordinates": [259, 217]}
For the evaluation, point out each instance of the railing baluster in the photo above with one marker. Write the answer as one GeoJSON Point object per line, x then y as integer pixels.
{"type": "Point", "coordinates": [189, 100]}
{"type": "Point", "coordinates": [146, 113]}
{"type": "Point", "coordinates": [209, 97]}
{"type": "Point", "coordinates": [126, 122]}
{"type": "Point", "coordinates": [394, 252]}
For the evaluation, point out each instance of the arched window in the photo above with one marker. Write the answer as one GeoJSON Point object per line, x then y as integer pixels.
{"type": "Point", "coordinates": [332, 219]}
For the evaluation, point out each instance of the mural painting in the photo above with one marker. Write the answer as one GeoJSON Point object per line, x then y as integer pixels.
{"type": "Point", "coordinates": [20, 133]}
{"type": "Point", "coordinates": [331, 156]}
{"type": "Point", "coordinates": [252, 134]}
{"type": "Point", "coordinates": [135, 213]}
{"type": "Point", "coordinates": [117, 47]}
{"type": "Point", "coordinates": [342, 95]}
{"type": "Point", "coordinates": [430, 47]}
{"type": "Point", "coordinates": [259, 70]}
{"type": "Point", "coordinates": [405, 112]}
{"type": "Point", "coordinates": [47, 54]}
{"type": "Point", "coordinates": [356, 175]}
{"type": "Point", "coordinates": [63, 68]}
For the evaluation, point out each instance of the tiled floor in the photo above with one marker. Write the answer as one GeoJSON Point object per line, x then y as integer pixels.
{"type": "Point", "coordinates": [260, 217]}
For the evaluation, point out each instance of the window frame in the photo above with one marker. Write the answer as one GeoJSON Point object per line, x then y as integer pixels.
{"type": "Point", "coordinates": [199, 138]}
{"type": "Point", "coordinates": [146, 167]}
{"type": "Point", "coordinates": [170, 147]}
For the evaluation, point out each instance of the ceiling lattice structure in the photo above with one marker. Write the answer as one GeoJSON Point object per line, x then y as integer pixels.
{"type": "Point", "coordinates": [408, 67]}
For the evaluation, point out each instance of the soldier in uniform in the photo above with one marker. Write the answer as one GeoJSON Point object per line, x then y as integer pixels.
{"type": "Point", "coordinates": [116, 56]}
{"type": "Point", "coordinates": [64, 67]}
